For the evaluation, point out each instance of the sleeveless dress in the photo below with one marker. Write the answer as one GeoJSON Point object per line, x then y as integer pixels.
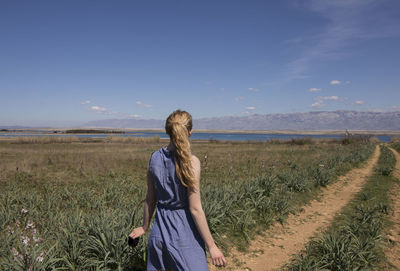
{"type": "Point", "coordinates": [174, 242]}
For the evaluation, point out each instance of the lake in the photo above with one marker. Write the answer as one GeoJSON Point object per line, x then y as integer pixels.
{"type": "Point", "coordinates": [203, 136]}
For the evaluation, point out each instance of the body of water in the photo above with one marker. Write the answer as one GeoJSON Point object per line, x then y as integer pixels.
{"type": "Point", "coordinates": [204, 136]}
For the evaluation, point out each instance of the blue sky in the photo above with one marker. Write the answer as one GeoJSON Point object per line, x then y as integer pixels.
{"type": "Point", "coordinates": [67, 62]}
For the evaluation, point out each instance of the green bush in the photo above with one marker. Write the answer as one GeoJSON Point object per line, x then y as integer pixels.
{"type": "Point", "coordinates": [385, 170]}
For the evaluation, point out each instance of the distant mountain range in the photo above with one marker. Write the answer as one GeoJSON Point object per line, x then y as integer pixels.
{"type": "Point", "coordinates": [19, 127]}
{"type": "Point", "coordinates": [320, 120]}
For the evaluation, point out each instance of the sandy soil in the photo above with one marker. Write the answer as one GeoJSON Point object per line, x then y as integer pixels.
{"type": "Point", "coordinates": [393, 253]}
{"type": "Point", "coordinates": [271, 251]}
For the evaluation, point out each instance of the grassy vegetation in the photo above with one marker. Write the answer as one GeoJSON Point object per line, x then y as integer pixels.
{"type": "Point", "coordinates": [396, 145]}
{"type": "Point", "coordinates": [240, 208]}
{"type": "Point", "coordinates": [76, 139]}
{"type": "Point", "coordinates": [93, 131]}
{"type": "Point", "coordinates": [354, 240]}
{"type": "Point", "coordinates": [70, 206]}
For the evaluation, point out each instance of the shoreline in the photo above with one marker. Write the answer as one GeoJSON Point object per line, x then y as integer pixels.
{"type": "Point", "coordinates": [50, 131]}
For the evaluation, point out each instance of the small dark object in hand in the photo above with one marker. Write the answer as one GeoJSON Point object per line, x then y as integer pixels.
{"type": "Point", "coordinates": [133, 242]}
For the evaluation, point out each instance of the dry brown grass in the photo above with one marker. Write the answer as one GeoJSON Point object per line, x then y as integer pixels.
{"type": "Point", "coordinates": [395, 140]}
{"type": "Point", "coordinates": [42, 139]}
{"type": "Point", "coordinates": [130, 139]}
{"type": "Point", "coordinates": [72, 159]}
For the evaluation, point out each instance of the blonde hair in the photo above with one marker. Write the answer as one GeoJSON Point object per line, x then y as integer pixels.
{"type": "Point", "coordinates": [178, 126]}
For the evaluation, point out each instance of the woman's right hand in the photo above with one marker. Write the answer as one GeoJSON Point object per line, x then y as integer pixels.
{"type": "Point", "coordinates": [217, 258]}
{"type": "Point", "coordinates": [137, 232]}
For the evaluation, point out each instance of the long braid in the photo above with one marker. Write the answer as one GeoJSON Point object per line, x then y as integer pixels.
{"type": "Point", "coordinates": [177, 126]}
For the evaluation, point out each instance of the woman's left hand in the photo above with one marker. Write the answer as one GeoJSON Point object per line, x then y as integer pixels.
{"type": "Point", "coordinates": [137, 232]}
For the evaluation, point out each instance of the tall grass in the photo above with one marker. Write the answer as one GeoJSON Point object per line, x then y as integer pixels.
{"type": "Point", "coordinates": [354, 241]}
{"type": "Point", "coordinates": [241, 208]}
{"type": "Point", "coordinates": [396, 145]}
{"type": "Point", "coordinates": [73, 228]}
{"type": "Point", "coordinates": [131, 139]}
{"type": "Point", "coordinates": [43, 139]}
{"type": "Point", "coordinates": [71, 206]}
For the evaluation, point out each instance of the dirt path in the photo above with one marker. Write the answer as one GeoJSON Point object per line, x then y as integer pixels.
{"type": "Point", "coordinates": [393, 253]}
{"type": "Point", "coordinates": [281, 242]}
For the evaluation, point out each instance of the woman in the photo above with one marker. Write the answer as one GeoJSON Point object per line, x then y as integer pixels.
{"type": "Point", "coordinates": [180, 231]}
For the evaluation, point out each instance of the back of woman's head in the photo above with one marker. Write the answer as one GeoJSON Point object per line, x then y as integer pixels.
{"type": "Point", "coordinates": [178, 127]}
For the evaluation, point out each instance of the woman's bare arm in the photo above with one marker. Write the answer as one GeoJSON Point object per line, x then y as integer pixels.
{"type": "Point", "coordinates": [199, 217]}
{"type": "Point", "coordinates": [148, 208]}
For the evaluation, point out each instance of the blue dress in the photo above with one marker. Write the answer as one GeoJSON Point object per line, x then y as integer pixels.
{"type": "Point", "coordinates": [174, 242]}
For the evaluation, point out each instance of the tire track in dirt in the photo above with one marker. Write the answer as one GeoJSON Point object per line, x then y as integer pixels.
{"type": "Point", "coordinates": [280, 242]}
{"type": "Point", "coordinates": [393, 253]}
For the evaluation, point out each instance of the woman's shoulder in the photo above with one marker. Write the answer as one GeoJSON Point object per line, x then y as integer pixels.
{"type": "Point", "coordinates": [155, 155]}
{"type": "Point", "coordinates": [162, 150]}
{"type": "Point", "coordinates": [195, 161]}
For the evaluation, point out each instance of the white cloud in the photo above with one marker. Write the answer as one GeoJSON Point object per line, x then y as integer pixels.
{"type": "Point", "coordinates": [320, 100]}
{"type": "Point", "coordinates": [85, 102]}
{"type": "Point", "coordinates": [328, 98]}
{"type": "Point", "coordinates": [317, 104]}
{"type": "Point", "coordinates": [335, 82]}
{"type": "Point", "coordinates": [358, 102]}
{"type": "Point", "coordinates": [250, 108]}
{"type": "Point", "coordinates": [253, 89]}
{"type": "Point", "coordinates": [239, 98]}
{"type": "Point", "coordinates": [396, 106]}
{"type": "Point", "coordinates": [98, 108]}
{"type": "Point", "coordinates": [143, 105]}
{"type": "Point", "coordinates": [134, 116]}
{"type": "Point", "coordinates": [246, 112]}
{"type": "Point", "coordinates": [102, 110]}
{"type": "Point", "coordinates": [314, 89]}
{"type": "Point", "coordinates": [222, 89]}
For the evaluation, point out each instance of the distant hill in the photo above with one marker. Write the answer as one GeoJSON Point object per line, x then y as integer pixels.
{"type": "Point", "coordinates": [15, 127]}
{"type": "Point", "coordinates": [319, 120]}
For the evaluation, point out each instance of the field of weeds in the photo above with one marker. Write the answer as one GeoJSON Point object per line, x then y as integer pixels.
{"type": "Point", "coordinates": [70, 205]}
{"type": "Point", "coordinates": [355, 240]}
